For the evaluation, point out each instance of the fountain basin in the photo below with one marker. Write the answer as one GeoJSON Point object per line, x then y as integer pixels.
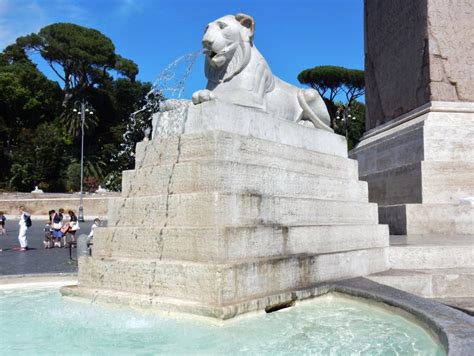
{"type": "Point", "coordinates": [332, 323]}
{"type": "Point", "coordinates": [345, 317]}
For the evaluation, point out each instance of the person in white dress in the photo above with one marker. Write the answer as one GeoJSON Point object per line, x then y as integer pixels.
{"type": "Point", "coordinates": [25, 223]}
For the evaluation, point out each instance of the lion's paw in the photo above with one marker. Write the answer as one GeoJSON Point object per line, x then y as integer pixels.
{"type": "Point", "coordinates": [201, 96]}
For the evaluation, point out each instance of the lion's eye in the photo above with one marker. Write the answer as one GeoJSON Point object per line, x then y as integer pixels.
{"type": "Point", "coordinates": [222, 25]}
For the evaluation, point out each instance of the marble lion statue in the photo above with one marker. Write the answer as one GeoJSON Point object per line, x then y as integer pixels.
{"type": "Point", "coordinates": [238, 74]}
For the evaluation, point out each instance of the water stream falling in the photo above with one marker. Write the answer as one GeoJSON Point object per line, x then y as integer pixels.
{"type": "Point", "coordinates": [163, 114]}
{"type": "Point", "coordinates": [170, 85]}
{"type": "Point", "coordinates": [171, 82]}
{"type": "Point", "coordinates": [165, 95]}
{"type": "Point", "coordinates": [167, 90]}
{"type": "Point", "coordinates": [170, 119]}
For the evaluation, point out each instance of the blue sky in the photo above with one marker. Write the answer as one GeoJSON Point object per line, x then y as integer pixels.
{"type": "Point", "coordinates": [292, 34]}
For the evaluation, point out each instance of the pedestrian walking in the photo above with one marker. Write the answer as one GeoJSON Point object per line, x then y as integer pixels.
{"type": "Point", "coordinates": [3, 219]}
{"type": "Point", "coordinates": [2, 225]}
{"type": "Point", "coordinates": [73, 226]}
{"type": "Point", "coordinates": [25, 224]}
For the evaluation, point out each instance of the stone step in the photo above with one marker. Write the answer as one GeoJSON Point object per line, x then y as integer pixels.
{"type": "Point", "coordinates": [222, 284]}
{"type": "Point", "coordinates": [223, 146]}
{"type": "Point", "coordinates": [430, 283]}
{"type": "Point", "coordinates": [414, 219]}
{"type": "Point", "coordinates": [422, 182]}
{"type": "Point", "coordinates": [431, 257]}
{"type": "Point", "coordinates": [233, 243]}
{"type": "Point", "coordinates": [465, 304]}
{"type": "Point", "coordinates": [237, 178]}
{"type": "Point", "coordinates": [204, 209]}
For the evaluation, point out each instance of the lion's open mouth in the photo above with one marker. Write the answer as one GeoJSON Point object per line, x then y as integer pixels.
{"type": "Point", "coordinates": [210, 53]}
{"type": "Point", "coordinates": [217, 59]}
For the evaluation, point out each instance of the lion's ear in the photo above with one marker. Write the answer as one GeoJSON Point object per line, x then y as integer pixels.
{"type": "Point", "coordinates": [247, 21]}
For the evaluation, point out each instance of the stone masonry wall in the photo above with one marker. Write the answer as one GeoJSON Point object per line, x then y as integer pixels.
{"type": "Point", "coordinates": [396, 60]}
{"type": "Point", "coordinates": [416, 52]}
{"type": "Point", "coordinates": [451, 48]}
{"type": "Point", "coordinates": [40, 204]}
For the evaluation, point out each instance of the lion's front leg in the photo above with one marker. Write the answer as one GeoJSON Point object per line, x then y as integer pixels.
{"type": "Point", "coordinates": [201, 96]}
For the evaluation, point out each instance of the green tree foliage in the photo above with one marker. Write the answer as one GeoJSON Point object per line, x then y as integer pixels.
{"type": "Point", "coordinates": [39, 136]}
{"type": "Point", "coordinates": [332, 82]}
{"type": "Point", "coordinates": [81, 57]}
{"type": "Point", "coordinates": [27, 98]}
{"type": "Point", "coordinates": [38, 158]}
{"type": "Point", "coordinates": [352, 127]}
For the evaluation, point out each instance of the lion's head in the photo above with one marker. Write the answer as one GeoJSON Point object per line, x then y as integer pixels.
{"type": "Point", "coordinates": [227, 43]}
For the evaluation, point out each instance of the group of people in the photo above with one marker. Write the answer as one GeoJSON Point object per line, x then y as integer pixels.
{"type": "Point", "coordinates": [58, 230]}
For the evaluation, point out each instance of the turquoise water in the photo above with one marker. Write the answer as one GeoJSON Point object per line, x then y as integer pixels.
{"type": "Point", "coordinates": [42, 322]}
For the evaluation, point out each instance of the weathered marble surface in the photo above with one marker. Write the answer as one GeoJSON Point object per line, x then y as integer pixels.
{"type": "Point", "coordinates": [222, 211]}
{"type": "Point", "coordinates": [451, 50]}
{"type": "Point", "coordinates": [245, 121]}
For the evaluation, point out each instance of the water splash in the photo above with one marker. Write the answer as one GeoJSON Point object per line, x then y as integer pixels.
{"type": "Point", "coordinates": [172, 112]}
{"type": "Point", "coordinates": [171, 81]}
{"type": "Point", "coordinates": [168, 88]}
{"type": "Point", "coordinates": [170, 120]}
{"type": "Point", "coordinates": [165, 95]}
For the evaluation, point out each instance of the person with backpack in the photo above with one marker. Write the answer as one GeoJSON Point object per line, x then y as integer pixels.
{"type": "Point", "coordinates": [25, 224]}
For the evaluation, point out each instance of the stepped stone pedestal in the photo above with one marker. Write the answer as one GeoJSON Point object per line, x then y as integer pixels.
{"type": "Point", "coordinates": [419, 170]}
{"type": "Point", "coordinates": [418, 153]}
{"type": "Point", "coordinates": [230, 210]}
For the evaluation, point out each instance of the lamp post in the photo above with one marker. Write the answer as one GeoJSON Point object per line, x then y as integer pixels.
{"type": "Point", "coordinates": [344, 114]}
{"type": "Point", "coordinates": [84, 107]}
